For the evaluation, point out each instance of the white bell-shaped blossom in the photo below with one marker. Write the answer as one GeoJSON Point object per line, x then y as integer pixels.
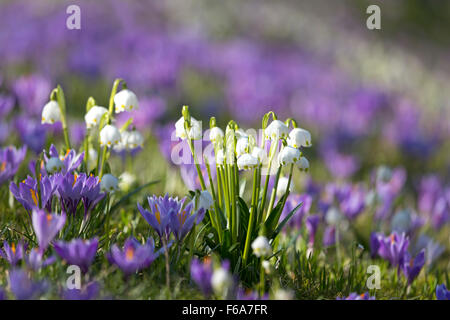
{"type": "Point", "coordinates": [288, 155]}
{"type": "Point", "coordinates": [134, 140]}
{"type": "Point", "coordinates": [247, 162]}
{"type": "Point", "coordinates": [94, 115]}
{"type": "Point", "coordinates": [216, 135]}
{"type": "Point", "coordinates": [282, 186]}
{"type": "Point", "coordinates": [51, 113]}
{"type": "Point", "coordinates": [204, 200]}
{"type": "Point", "coordinates": [299, 137]}
{"type": "Point", "coordinates": [260, 154]}
{"type": "Point", "coordinates": [276, 130]}
{"type": "Point", "coordinates": [125, 100]}
{"type": "Point", "coordinates": [303, 164]}
{"type": "Point", "coordinates": [126, 181]}
{"type": "Point", "coordinates": [110, 136]}
{"type": "Point", "coordinates": [53, 165]}
{"type": "Point", "coordinates": [109, 183]}
{"type": "Point", "coordinates": [261, 247]}
{"type": "Point", "coordinates": [242, 145]}
{"type": "Point", "coordinates": [221, 281]}
{"type": "Point", "coordinates": [194, 132]}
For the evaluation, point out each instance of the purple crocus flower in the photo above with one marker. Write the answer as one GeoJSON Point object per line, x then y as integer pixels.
{"type": "Point", "coordinates": [78, 252]}
{"type": "Point", "coordinates": [13, 253]}
{"type": "Point", "coordinates": [312, 222]}
{"type": "Point", "coordinates": [181, 222]}
{"type": "Point", "coordinates": [411, 266]}
{"type": "Point", "coordinates": [32, 92]}
{"type": "Point", "coordinates": [355, 296]}
{"type": "Point", "coordinates": [89, 292]}
{"type": "Point", "coordinates": [292, 201]}
{"type": "Point", "coordinates": [375, 239]}
{"type": "Point", "coordinates": [46, 226]}
{"type": "Point", "coordinates": [23, 287]}
{"type": "Point", "coordinates": [160, 215]}
{"type": "Point", "coordinates": [69, 191]}
{"type": "Point", "coordinates": [10, 160]}
{"type": "Point", "coordinates": [32, 133]}
{"type": "Point", "coordinates": [90, 193]}
{"type": "Point", "coordinates": [353, 203]}
{"type": "Point", "coordinates": [6, 105]}
{"type": "Point", "coordinates": [202, 273]}
{"type": "Point", "coordinates": [442, 293]}
{"type": "Point", "coordinates": [35, 259]}
{"type": "Point", "coordinates": [329, 236]}
{"type": "Point", "coordinates": [70, 159]}
{"type": "Point", "coordinates": [393, 248]}
{"type": "Point", "coordinates": [27, 192]}
{"type": "Point", "coordinates": [134, 256]}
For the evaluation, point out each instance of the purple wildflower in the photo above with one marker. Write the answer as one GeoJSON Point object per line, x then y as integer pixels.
{"type": "Point", "coordinates": [70, 159]}
{"type": "Point", "coordinates": [442, 293]}
{"type": "Point", "coordinates": [329, 236]}
{"type": "Point", "coordinates": [23, 287]}
{"type": "Point", "coordinates": [393, 248]}
{"type": "Point", "coordinates": [13, 253]}
{"type": "Point", "coordinates": [89, 292]}
{"type": "Point", "coordinates": [134, 256]}
{"type": "Point", "coordinates": [46, 226]}
{"type": "Point", "coordinates": [355, 296]}
{"type": "Point", "coordinates": [312, 222]}
{"type": "Point", "coordinates": [78, 252]}
{"type": "Point", "coordinates": [411, 266]}
{"type": "Point", "coordinates": [35, 259]}
{"type": "Point", "coordinates": [201, 273]}
{"type": "Point", "coordinates": [10, 160]}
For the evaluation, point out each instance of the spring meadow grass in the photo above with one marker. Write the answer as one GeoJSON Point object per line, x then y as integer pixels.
{"type": "Point", "coordinates": [167, 162]}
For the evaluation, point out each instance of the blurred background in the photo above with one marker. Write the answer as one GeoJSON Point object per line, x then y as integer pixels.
{"type": "Point", "coordinates": [369, 97]}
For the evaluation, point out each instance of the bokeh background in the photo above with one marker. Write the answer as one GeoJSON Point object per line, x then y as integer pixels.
{"type": "Point", "coordinates": [369, 97]}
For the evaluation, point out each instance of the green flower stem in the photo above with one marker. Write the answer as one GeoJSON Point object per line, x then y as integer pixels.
{"type": "Point", "coordinates": [104, 155]}
{"type": "Point", "coordinates": [274, 191]}
{"type": "Point", "coordinates": [266, 184]}
{"type": "Point", "coordinates": [197, 166]}
{"type": "Point", "coordinates": [287, 188]}
{"type": "Point", "coordinates": [62, 107]}
{"type": "Point", "coordinates": [234, 226]}
{"type": "Point", "coordinates": [215, 221]}
{"type": "Point", "coordinates": [262, 281]}
{"type": "Point", "coordinates": [251, 219]}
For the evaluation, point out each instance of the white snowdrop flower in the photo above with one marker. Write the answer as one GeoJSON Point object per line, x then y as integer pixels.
{"type": "Point", "coordinates": [54, 164]}
{"type": "Point", "coordinates": [282, 294]}
{"type": "Point", "coordinates": [247, 162]}
{"type": "Point", "coordinates": [194, 132]}
{"type": "Point", "coordinates": [220, 157]}
{"type": "Point", "coordinates": [51, 113]}
{"type": "Point", "coordinates": [126, 181]}
{"type": "Point", "coordinates": [288, 155]}
{"type": "Point", "coordinates": [122, 145]}
{"type": "Point", "coordinates": [260, 154]}
{"type": "Point", "coordinates": [93, 157]}
{"type": "Point", "coordinates": [134, 140]}
{"type": "Point", "coordinates": [267, 267]}
{"type": "Point", "coordinates": [94, 115]}
{"type": "Point", "coordinates": [110, 136]}
{"type": "Point", "coordinates": [242, 146]}
{"type": "Point", "coordinates": [109, 183]}
{"type": "Point", "coordinates": [333, 216]}
{"type": "Point", "coordinates": [216, 135]}
{"type": "Point", "coordinates": [276, 130]}
{"type": "Point", "coordinates": [204, 200]}
{"type": "Point", "coordinates": [221, 281]}
{"type": "Point", "coordinates": [241, 134]}
{"type": "Point", "coordinates": [299, 137]}
{"type": "Point", "coordinates": [303, 164]}
{"type": "Point", "coordinates": [261, 247]}
{"type": "Point", "coordinates": [282, 186]}
{"type": "Point", "coordinates": [126, 100]}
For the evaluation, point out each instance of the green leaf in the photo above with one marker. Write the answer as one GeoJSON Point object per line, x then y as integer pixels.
{"type": "Point", "coordinates": [285, 220]}
{"type": "Point", "coordinates": [130, 194]}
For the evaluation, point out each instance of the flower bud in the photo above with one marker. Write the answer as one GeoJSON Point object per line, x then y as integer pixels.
{"type": "Point", "coordinates": [276, 130]}
{"type": "Point", "coordinates": [216, 135]}
{"type": "Point", "coordinates": [94, 115]}
{"type": "Point", "coordinates": [299, 137]}
{"type": "Point", "coordinates": [303, 164]}
{"type": "Point", "coordinates": [51, 113]}
{"type": "Point", "coordinates": [109, 183]}
{"type": "Point", "coordinates": [194, 132]}
{"type": "Point", "coordinates": [288, 155]}
{"type": "Point", "coordinates": [110, 136]}
{"type": "Point", "coordinates": [125, 100]}
{"type": "Point", "coordinates": [261, 247]}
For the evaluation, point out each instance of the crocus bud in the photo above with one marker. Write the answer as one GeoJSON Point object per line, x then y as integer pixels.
{"type": "Point", "coordinates": [134, 140]}
{"type": "Point", "coordinates": [303, 164]}
{"type": "Point", "coordinates": [299, 137]}
{"type": "Point", "coordinates": [276, 130]}
{"type": "Point", "coordinates": [109, 183]}
{"type": "Point", "coordinates": [110, 136]}
{"type": "Point", "coordinates": [247, 162]}
{"type": "Point", "coordinates": [51, 113]}
{"type": "Point", "coordinates": [194, 132]}
{"type": "Point", "coordinates": [261, 247]}
{"type": "Point", "coordinates": [216, 135]}
{"type": "Point", "coordinates": [241, 146]}
{"type": "Point", "coordinates": [94, 115]}
{"type": "Point", "coordinates": [221, 281]}
{"type": "Point", "coordinates": [288, 155]}
{"type": "Point", "coordinates": [125, 100]}
{"type": "Point", "coordinates": [53, 165]}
